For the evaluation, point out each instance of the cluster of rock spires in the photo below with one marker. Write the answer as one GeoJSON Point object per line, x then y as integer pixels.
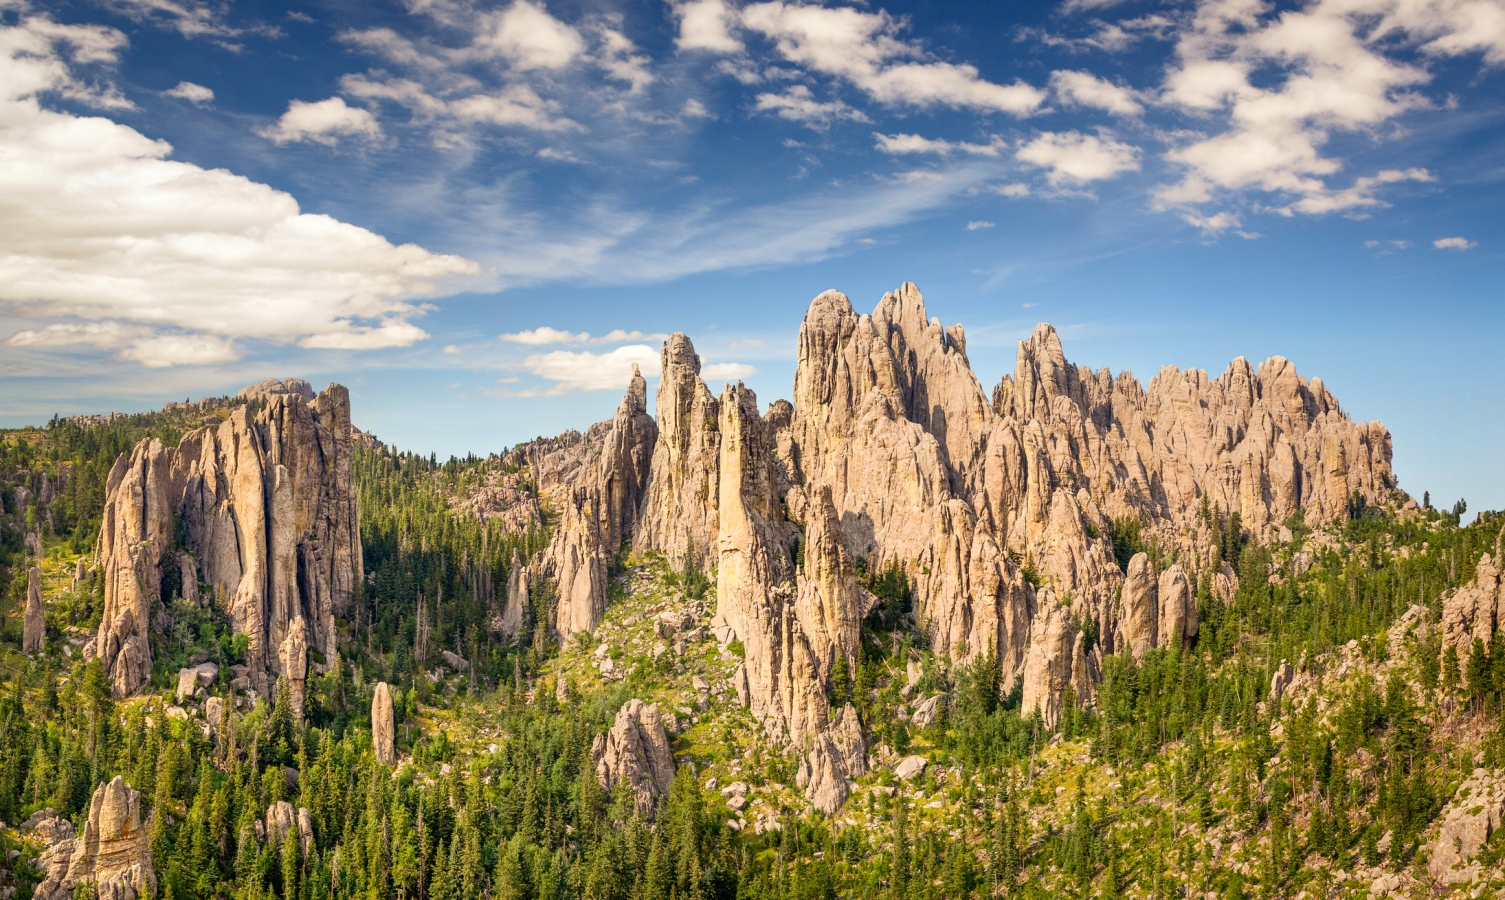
{"type": "Point", "coordinates": [999, 508]}
{"type": "Point", "coordinates": [270, 525]}
{"type": "Point", "coordinates": [113, 854]}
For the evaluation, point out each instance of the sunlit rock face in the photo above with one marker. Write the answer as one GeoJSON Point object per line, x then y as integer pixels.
{"type": "Point", "coordinates": [264, 502]}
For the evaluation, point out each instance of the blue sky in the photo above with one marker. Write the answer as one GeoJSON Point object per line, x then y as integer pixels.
{"type": "Point", "coordinates": [478, 215]}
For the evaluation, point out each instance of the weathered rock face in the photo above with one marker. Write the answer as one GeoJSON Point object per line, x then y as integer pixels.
{"type": "Point", "coordinates": [113, 852]}
{"type": "Point", "coordinates": [679, 512]}
{"type": "Point", "coordinates": [139, 508]}
{"type": "Point", "coordinates": [1178, 609]}
{"type": "Point", "coordinates": [267, 509]}
{"type": "Point", "coordinates": [383, 727]}
{"type": "Point", "coordinates": [34, 625]}
{"type": "Point", "coordinates": [515, 608]}
{"type": "Point", "coordinates": [1055, 660]}
{"type": "Point", "coordinates": [1468, 821]}
{"type": "Point", "coordinates": [829, 607]}
{"type": "Point", "coordinates": [637, 751]}
{"type": "Point", "coordinates": [1475, 610]}
{"type": "Point", "coordinates": [625, 462]}
{"type": "Point", "coordinates": [925, 471]}
{"type": "Point", "coordinates": [1139, 621]}
{"type": "Point", "coordinates": [576, 558]}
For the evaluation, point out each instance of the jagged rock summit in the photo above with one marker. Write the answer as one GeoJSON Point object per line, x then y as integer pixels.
{"type": "Point", "coordinates": [999, 508]}
{"type": "Point", "coordinates": [265, 506]}
{"type": "Point", "coordinates": [113, 853]}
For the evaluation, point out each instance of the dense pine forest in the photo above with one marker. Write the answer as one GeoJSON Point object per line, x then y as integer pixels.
{"type": "Point", "coordinates": [1185, 774]}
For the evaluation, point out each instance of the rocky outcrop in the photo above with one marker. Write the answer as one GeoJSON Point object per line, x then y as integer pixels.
{"type": "Point", "coordinates": [829, 607]}
{"type": "Point", "coordinates": [1139, 617]}
{"type": "Point", "coordinates": [680, 510]}
{"type": "Point", "coordinates": [1178, 609]}
{"type": "Point", "coordinates": [113, 852]}
{"type": "Point", "coordinates": [34, 625]}
{"type": "Point", "coordinates": [267, 509]}
{"type": "Point", "coordinates": [1056, 659]}
{"type": "Point", "coordinates": [636, 750]}
{"type": "Point", "coordinates": [140, 503]}
{"type": "Point", "coordinates": [576, 559]}
{"type": "Point", "coordinates": [961, 490]}
{"type": "Point", "coordinates": [271, 387]}
{"type": "Point", "coordinates": [1468, 821]}
{"type": "Point", "coordinates": [383, 727]}
{"type": "Point", "coordinates": [1474, 610]}
{"type": "Point", "coordinates": [625, 462]}
{"type": "Point", "coordinates": [515, 607]}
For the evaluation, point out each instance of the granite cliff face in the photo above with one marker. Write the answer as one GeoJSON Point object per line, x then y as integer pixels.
{"type": "Point", "coordinates": [266, 508]}
{"type": "Point", "coordinates": [999, 508]}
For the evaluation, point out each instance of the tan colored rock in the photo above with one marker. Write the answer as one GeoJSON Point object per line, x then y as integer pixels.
{"type": "Point", "coordinates": [576, 559]}
{"type": "Point", "coordinates": [280, 819]}
{"type": "Point", "coordinates": [1474, 610]}
{"type": "Point", "coordinates": [679, 513]}
{"type": "Point", "coordinates": [294, 657]}
{"type": "Point", "coordinates": [188, 577]}
{"type": "Point", "coordinates": [828, 605]}
{"type": "Point", "coordinates": [34, 625]}
{"type": "Point", "coordinates": [113, 852]}
{"type": "Point", "coordinates": [515, 609]}
{"type": "Point", "coordinates": [1140, 607]}
{"type": "Point", "coordinates": [625, 461]}
{"type": "Point", "coordinates": [1178, 609]}
{"type": "Point", "coordinates": [1056, 659]}
{"type": "Point", "coordinates": [140, 499]}
{"type": "Point", "coordinates": [1473, 815]}
{"type": "Point", "coordinates": [269, 513]}
{"type": "Point", "coordinates": [636, 750]}
{"type": "Point", "coordinates": [383, 726]}
{"type": "Point", "coordinates": [1281, 680]}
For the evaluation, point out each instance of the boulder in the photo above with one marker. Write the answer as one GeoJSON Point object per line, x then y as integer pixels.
{"type": "Point", "coordinates": [280, 819]}
{"type": "Point", "coordinates": [636, 750]}
{"type": "Point", "coordinates": [910, 766]}
{"type": "Point", "coordinates": [188, 682]}
{"type": "Point", "coordinates": [926, 712]}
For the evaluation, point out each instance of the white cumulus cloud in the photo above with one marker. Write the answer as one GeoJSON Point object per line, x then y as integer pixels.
{"type": "Point", "coordinates": [706, 25]}
{"type": "Point", "coordinates": [727, 371]}
{"type": "Point", "coordinates": [529, 38]}
{"type": "Point", "coordinates": [107, 242]}
{"type": "Point", "coordinates": [1271, 85]}
{"type": "Point", "coordinates": [1071, 157]}
{"type": "Point", "coordinates": [1454, 243]}
{"type": "Point", "coordinates": [573, 371]}
{"type": "Point", "coordinates": [544, 335]}
{"type": "Point", "coordinates": [865, 50]}
{"type": "Point", "coordinates": [324, 122]}
{"type": "Point", "coordinates": [193, 93]}
{"type": "Point", "coordinates": [1075, 88]}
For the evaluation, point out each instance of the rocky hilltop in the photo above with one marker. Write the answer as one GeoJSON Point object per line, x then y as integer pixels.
{"type": "Point", "coordinates": [259, 510]}
{"type": "Point", "coordinates": [1000, 508]}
